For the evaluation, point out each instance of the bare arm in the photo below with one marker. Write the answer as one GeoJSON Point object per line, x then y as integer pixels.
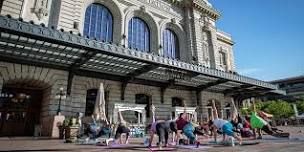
{"type": "Point", "coordinates": [184, 115]}
{"type": "Point", "coordinates": [153, 113]}
{"type": "Point", "coordinates": [235, 111]}
{"type": "Point", "coordinates": [214, 110]}
{"type": "Point", "coordinates": [254, 108]}
{"type": "Point", "coordinates": [121, 118]}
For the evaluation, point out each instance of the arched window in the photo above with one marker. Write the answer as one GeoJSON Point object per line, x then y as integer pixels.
{"type": "Point", "coordinates": [170, 44]}
{"type": "Point", "coordinates": [98, 23]}
{"type": "Point", "coordinates": [146, 100]}
{"type": "Point", "coordinates": [138, 35]}
{"type": "Point", "coordinates": [177, 102]}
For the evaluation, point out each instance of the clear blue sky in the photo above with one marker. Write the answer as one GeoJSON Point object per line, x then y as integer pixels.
{"type": "Point", "coordinates": [268, 35]}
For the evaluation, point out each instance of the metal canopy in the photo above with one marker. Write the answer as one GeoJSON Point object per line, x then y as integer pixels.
{"type": "Point", "coordinates": [22, 42]}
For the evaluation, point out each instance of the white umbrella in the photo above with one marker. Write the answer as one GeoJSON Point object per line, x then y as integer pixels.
{"type": "Point", "coordinates": [100, 104]}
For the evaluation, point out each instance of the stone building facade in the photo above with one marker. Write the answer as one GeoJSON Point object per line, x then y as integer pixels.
{"type": "Point", "coordinates": [193, 22]}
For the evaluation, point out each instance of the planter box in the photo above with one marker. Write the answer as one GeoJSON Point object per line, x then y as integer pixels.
{"type": "Point", "coordinates": [71, 134]}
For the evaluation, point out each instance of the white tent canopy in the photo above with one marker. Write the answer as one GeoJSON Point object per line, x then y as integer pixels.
{"type": "Point", "coordinates": [189, 110]}
{"type": "Point", "coordinates": [100, 103]}
{"type": "Point", "coordinates": [130, 107]}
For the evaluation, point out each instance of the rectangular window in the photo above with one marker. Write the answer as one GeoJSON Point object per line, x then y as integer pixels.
{"type": "Point", "coordinates": [222, 58]}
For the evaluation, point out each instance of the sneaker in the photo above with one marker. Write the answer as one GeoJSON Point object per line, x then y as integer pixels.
{"type": "Point", "coordinates": [160, 146]}
{"type": "Point", "coordinates": [197, 144]}
{"type": "Point", "coordinates": [173, 143]}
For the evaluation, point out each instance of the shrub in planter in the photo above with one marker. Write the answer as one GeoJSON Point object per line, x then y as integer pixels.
{"type": "Point", "coordinates": [71, 129]}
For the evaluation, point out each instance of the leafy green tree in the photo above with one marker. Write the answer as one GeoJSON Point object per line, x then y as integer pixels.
{"type": "Point", "coordinates": [300, 106]}
{"type": "Point", "coordinates": [280, 109]}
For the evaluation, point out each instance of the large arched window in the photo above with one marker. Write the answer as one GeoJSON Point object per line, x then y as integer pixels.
{"type": "Point", "coordinates": [170, 44]}
{"type": "Point", "coordinates": [138, 35]}
{"type": "Point", "coordinates": [98, 23]}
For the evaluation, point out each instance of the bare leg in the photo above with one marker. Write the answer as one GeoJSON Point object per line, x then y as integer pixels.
{"type": "Point", "coordinates": [239, 138]}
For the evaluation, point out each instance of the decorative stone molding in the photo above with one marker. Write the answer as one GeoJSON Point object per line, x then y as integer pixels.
{"type": "Point", "coordinates": [204, 8]}
{"type": "Point", "coordinates": [143, 89]}
{"type": "Point", "coordinates": [41, 8]}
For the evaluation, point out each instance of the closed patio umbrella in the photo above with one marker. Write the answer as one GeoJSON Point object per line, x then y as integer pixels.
{"type": "Point", "coordinates": [100, 104]}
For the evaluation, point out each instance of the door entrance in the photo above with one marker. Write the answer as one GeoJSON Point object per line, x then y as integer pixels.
{"type": "Point", "coordinates": [19, 111]}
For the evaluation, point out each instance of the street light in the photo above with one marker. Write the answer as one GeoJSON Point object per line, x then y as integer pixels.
{"type": "Point", "coordinates": [60, 96]}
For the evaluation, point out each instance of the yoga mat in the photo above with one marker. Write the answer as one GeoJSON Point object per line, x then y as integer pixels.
{"type": "Point", "coordinates": [244, 143]}
{"type": "Point", "coordinates": [192, 147]}
{"type": "Point", "coordinates": [84, 142]}
{"type": "Point", "coordinates": [125, 146]}
{"type": "Point", "coordinates": [163, 149]}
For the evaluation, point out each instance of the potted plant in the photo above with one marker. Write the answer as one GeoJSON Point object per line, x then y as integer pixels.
{"type": "Point", "coordinates": [71, 129]}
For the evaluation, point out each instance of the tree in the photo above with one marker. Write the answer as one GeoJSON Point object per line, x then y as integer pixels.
{"type": "Point", "coordinates": [280, 109]}
{"type": "Point", "coordinates": [300, 106]}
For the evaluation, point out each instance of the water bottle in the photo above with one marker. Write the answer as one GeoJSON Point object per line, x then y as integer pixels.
{"type": "Point", "coordinates": [147, 141]}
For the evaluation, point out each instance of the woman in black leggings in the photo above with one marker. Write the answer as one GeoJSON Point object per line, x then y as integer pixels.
{"type": "Point", "coordinates": [122, 128]}
{"type": "Point", "coordinates": [163, 129]}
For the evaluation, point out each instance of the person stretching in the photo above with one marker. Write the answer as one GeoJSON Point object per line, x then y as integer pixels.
{"type": "Point", "coordinates": [162, 128]}
{"type": "Point", "coordinates": [122, 128]}
{"type": "Point", "coordinates": [187, 128]}
{"type": "Point", "coordinates": [223, 125]}
{"type": "Point", "coordinates": [259, 123]}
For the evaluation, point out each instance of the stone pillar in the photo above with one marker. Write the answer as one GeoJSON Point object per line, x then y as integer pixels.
{"type": "Point", "coordinates": [144, 117]}
{"type": "Point", "coordinates": [190, 33]}
{"type": "Point", "coordinates": [138, 118]}
{"type": "Point", "coordinates": [115, 115]}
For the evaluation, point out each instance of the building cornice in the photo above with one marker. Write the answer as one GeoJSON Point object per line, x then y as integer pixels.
{"type": "Point", "coordinates": [224, 39]}
{"type": "Point", "coordinates": [204, 8]}
{"type": "Point", "coordinates": [200, 5]}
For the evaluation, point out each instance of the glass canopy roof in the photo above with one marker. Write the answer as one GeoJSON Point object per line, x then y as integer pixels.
{"type": "Point", "coordinates": [26, 43]}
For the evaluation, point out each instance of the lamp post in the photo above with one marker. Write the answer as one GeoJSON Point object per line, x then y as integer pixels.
{"type": "Point", "coordinates": [60, 96]}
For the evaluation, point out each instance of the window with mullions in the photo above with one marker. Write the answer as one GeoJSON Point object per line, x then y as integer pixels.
{"type": "Point", "coordinates": [91, 99]}
{"type": "Point", "coordinates": [222, 57]}
{"type": "Point", "coordinates": [138, 35]}
{"type": "Point", "coordinates": [177, 102]}
{"type": "Point", "coordinates": [98, 23]}
{"type": "Point", "coordinates": [145, 100]}
{"type": "Point", "coordinates": [170, 44]}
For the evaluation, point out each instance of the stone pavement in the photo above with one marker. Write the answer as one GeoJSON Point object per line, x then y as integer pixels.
{"type": "Point", "coordinates": [31, 144]}
{"type": "Point", "coordinates": [58, 145]}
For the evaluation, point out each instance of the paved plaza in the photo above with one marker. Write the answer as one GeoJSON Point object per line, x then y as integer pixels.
{"type": "Point", "coordinates": [57, 145]}
{"type": "Point", "coordinates": [30, 144]}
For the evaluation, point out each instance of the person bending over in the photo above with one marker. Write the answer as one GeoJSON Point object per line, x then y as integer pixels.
{"type": "Point", "coordinates": [223, 125]}
{"type": "Point", "coordinates": [162, 128]}
{"type": "Point", "coordinates": [187, 128]}
{"type": "Point", "coordinates": [122, 128]}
